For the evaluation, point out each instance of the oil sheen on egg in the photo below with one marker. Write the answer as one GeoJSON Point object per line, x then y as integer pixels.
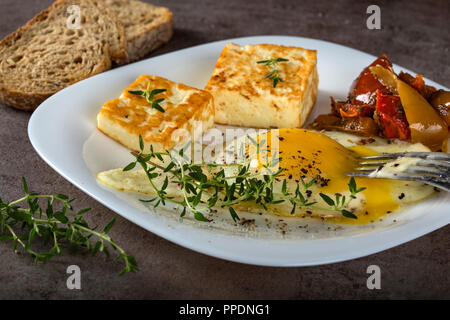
{"type": "Point", "coordinates": [308, 154]}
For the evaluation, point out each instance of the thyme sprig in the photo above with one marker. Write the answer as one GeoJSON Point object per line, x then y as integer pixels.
{"type": "Point", "coordinates": [150, 97]}
{"type": "Point", "coordinates": [58, 225]}
{"type": "Point", "coordinates": [206, 185]}
{"type": "Point", "coordinates": [274, 74]}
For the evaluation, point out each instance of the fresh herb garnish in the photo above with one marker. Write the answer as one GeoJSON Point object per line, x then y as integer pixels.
{"type": "Point", "coordinates": [206, 186]}
{"type": "Point", "coordinates": [56, 224]}
{"type": "Point", "coordinates": [274, 74]}
{"type": "Point", "coordinates": [149, 96]}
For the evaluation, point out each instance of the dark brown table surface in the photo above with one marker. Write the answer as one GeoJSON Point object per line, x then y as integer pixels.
{"type": "Point", "coordinates": [414, 34]}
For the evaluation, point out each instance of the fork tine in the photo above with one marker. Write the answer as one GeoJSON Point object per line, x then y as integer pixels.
{"type": "Point", "coordinates": [434, 163]}
{"type": "Point", "coordinates": [362, 169]}
{"type": "Point", "coordinates": [432, 168]}
{"type": "Point", "coordinates": [433, 181]}
{"type": "Point", "coordinates": [359, 174]}
{"type": "Point", "coordinates": [425, 170]}
{"type": "Point", "coordinates": [422, 155]}
{"type": "Point", "coordinates": [424, 163]}
{"type": "Point", "coordinates": [372, 163]}
{"type": "Point", "coordinates": [412, 169]}
{"type": "Point", "coordinates": [399, 176]}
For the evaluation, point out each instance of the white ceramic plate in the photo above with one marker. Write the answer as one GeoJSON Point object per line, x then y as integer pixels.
{"type": "Point", "coordinates": [63, 132]}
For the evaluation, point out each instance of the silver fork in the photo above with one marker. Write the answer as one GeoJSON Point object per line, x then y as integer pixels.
{"type": "Point", "coordinates": [432, 168]}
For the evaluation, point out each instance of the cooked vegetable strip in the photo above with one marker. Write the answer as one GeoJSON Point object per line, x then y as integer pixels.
{"type": "Point", "coordinates": [392, 117]}
{"type": "Point", "coordinates": [426, 125]}
{"type": "Point", "coordinates": [396, 106]}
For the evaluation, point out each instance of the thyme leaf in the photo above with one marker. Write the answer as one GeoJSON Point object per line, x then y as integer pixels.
{"type": "Point", "coordinates": [55, 223]}
{"type": "Point", "coordinates": [274, 73]}
{"type": "Point", "coordinates": [149, 95]}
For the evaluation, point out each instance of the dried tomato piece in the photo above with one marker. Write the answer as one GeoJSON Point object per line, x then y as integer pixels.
{"type": "Point", "coordinates": [392, 117]}
{"type": "Point", "coordinates": [363, 89]}
{"type": "Point", "coordinates": [336, 106]}
{"type": "Point", "coordinates": [349, 110]}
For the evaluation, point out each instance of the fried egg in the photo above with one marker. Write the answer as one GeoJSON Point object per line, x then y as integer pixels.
{"type": "Point", "coordinates": [308, 154]}
{"type": "Point", "coordinates": [305, 155]}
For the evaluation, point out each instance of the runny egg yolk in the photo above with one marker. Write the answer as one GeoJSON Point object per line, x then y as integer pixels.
{"type": "Point", "coordinates": [308, 154]}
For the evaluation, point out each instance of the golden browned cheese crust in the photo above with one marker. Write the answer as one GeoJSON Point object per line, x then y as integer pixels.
{"type": "Point", "coordinates": [245, 96]}
{"type": "Point", "coordinates": [129, 116]}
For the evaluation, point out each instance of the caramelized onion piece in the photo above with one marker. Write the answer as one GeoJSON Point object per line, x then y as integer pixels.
{"type": "Point", "coordinates": [359, 125]}
{"type": "Point", "coordinates": [426, 125]}
{"type": "Point", "coordinates": [440, 101]}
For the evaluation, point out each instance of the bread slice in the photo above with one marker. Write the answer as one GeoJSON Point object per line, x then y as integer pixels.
{"type": "Point", "coordinates": [45, 56]}
{"type": "Point", "coordinates": [244, 94]}
{"type": "Point", "coordinates": [147, 27]}
{"type": "Point", "coordinates": [188, 113]}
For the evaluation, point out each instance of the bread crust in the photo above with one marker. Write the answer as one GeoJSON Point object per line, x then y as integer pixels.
{"type": "Point", "coordinates": [21, 100]}
{"type": "Point", "coordinates": [150, 34]}
{"type": "Point", "coordinates": [149, 40]}
{"type": "Point", "coordinates": [122, 53]}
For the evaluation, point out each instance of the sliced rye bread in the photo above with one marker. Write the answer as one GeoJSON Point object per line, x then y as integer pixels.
{"type": "Point", "coordinates": [45, 56]}
{"type": "Point", "coordinates": [147, 27]}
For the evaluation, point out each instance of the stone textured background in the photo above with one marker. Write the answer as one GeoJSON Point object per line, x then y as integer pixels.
{"type": "Point", "coordinates": [414, 34]}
